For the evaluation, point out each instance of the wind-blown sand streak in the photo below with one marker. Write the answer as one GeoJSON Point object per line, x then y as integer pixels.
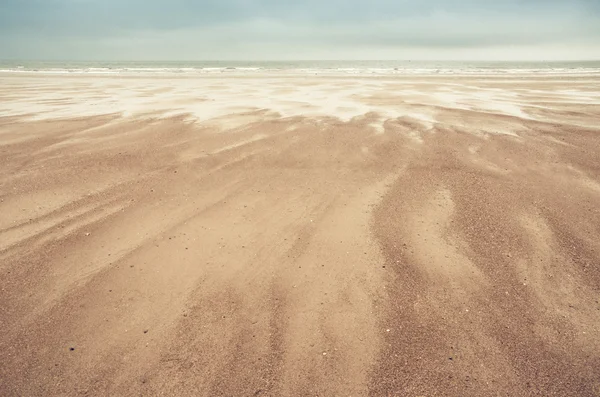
{"type": "Point", "coordinates": [295, 235]}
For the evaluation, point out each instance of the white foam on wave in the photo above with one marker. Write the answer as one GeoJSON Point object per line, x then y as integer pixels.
{"type": "Point", "coordinates": [302, 69]}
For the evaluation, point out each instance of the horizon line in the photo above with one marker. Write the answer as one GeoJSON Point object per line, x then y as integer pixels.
{"type": "Point", "coordinates": [300, 60]}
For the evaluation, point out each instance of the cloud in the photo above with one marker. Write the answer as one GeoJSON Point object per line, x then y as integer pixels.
{"type": "Point", "coordinates": [274, 28]}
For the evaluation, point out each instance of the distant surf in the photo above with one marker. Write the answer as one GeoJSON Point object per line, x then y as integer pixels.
{"type": "Point", "coordinates": [308, 67]}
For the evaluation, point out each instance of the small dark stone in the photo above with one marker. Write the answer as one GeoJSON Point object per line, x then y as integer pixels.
{"type": "Point", "coordinates": [71, 348]}
{"type": "Point", "coordinates": [145, 331]}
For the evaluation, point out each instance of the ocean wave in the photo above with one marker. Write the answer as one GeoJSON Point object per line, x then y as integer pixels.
{"type": "Point", "coordinates": [300, 69]}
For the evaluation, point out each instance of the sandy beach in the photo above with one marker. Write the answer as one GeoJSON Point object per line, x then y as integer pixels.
{"type": "Point", "coordinates": [299, 235]}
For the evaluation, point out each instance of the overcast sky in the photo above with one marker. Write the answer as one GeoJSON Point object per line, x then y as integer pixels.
{"type": "Point", "coordinates": [299, 29]}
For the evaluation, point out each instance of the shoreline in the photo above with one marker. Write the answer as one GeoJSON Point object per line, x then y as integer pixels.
{"type": "Point", "coordinates": [161, 72]}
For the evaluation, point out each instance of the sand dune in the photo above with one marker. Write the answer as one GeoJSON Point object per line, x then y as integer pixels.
{"type": "Point", "coordinates": [293, 235]}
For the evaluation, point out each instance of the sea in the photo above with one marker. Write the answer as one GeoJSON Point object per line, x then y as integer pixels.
{"type": "Point", "coordinates": [309, 67]}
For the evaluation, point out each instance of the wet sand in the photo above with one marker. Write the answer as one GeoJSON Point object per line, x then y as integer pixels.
{"type": "Point", "coordinates": [299, 235]}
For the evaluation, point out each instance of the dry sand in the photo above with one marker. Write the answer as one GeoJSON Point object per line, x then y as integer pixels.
{"type": "Point", "coordinates": [299, 236]}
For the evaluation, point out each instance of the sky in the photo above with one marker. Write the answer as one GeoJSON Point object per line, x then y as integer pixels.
{"type": "Point", "coordinates": [536, 30]}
